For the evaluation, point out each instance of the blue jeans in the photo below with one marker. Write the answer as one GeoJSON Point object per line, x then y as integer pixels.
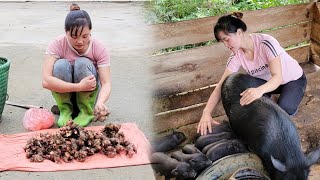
{"type": "Point", "coordinates": [82, 68]}
{"type": "Point", "coordinates": [67, 72]}
{"type": "Point", "coordinates": [291, 94]}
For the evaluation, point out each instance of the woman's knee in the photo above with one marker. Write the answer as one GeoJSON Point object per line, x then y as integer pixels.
{"type": "Point", "coordinates": [290, 104]}
{"type": "Point", "coordinates": [62, 70]}
{"type": "Point", "coordinates": [290, 110]}
{"type": "Point", "coordinates": [292, 94]}
{"type": "Point", "coordinates": [304, 82]}
{"type": "Point", "coordinates": [83, 62]}
{"type": "Point", "coordinates": [83, 67]}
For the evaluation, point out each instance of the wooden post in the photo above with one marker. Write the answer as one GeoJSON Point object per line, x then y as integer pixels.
{"type": "Point", "coordinates": [315, 34]}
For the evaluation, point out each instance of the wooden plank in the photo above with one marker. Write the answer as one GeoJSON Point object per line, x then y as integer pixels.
{"type": "Point", "coordinates": [301, 54]}
{"type": "Point", "coordinates": [315, 27]}
{"type": "Point", "coordinates": [176, 119]}
{"type": "Point", "coordinates": [292, 35]}
{"type": "Point", "coordinates": [315, 52]}
{"type": "Point", "coordinates": [199, 67]}
{"type": "Point", "coordinates": [316, 13]}
{"type": "Point", "coordinates": [190, 69]}
{"type": "Point", "coordinates": [162, 104]}
{"type": "Point", "coordinates": [201, 30]}
{"type": "Point", "coordinates": [315, 32]}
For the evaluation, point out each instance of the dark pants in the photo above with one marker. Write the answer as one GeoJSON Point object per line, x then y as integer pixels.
{"type": "Point", "coordinates": [291, 94]}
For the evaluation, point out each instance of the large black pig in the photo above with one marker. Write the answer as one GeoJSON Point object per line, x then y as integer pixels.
{"type": "Point", "coordinates": [267, 130]}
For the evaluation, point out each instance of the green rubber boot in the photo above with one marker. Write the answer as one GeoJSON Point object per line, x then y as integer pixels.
{"type": "Point", "coordinates": [65, 107]}
{"type": "Point", "coordinates": [85, 102]}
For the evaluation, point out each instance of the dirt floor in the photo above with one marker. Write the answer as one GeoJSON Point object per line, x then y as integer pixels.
{"type": "Point", "coordinates": [307, 121]}
{"type": "Point", "coordinates": [310, 141]}
{"type": "Point", "coordinates": [27, 27]}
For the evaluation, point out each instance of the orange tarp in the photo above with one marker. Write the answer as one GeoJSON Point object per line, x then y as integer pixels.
{"type": "Point", "coordinates": [13, 157]}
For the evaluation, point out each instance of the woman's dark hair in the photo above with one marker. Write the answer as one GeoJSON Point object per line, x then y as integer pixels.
{"type": "Point", "coordinates": [229, 24]}
{"type": "Point", "coordinates": [76, 20]}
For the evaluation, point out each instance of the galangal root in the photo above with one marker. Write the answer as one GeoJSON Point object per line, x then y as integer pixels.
{"type": "Point", "coordinates": [72, 142]}
{"type": "Point", "coordinates": [100, 115]}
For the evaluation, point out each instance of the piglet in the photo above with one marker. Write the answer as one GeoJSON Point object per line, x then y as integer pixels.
{"type": "Point", "coordinates": [169, 142]}
{"type": "Point", "coordinates": [198, 161]}
{"type": "Point", "coordinates": [170, 167]}
{"type": "Point", "coordinates": [190, 149]}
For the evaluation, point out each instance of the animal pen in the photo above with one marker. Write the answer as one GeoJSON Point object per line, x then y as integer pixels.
{"type": "Point", "coordinates": [184, 80]}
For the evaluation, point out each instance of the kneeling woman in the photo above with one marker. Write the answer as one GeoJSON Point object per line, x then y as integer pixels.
{"type": "Point", "coordinates": [262, 57]}
{"type": "Point", "coordinates": [77, 65]}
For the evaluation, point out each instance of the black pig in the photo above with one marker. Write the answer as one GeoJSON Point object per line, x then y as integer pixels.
{"type": "Point", "coordinates": [170, 167]}
{"type": "Point", "coordinates": [169, 142]}
{"type": "Point", "coordinates": [225, 148]}
{"type": "Point", "coordinates": [207, 139]}
{"type": "Point", "coordinates": [267, 129]}
{"type": "Point", "coordinates": [190, 149]}
{"type": "Point", "coordinates": [198, 161]}
{"type": "Point", "coordinates": [207, 147]}
{"type": "Point", "coordinates": [224, 126]}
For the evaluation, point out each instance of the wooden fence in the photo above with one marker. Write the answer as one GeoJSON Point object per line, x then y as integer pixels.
{"type": "Point", "coordinates": [183, 80]}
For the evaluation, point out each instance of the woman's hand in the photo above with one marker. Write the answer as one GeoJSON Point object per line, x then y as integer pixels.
{"type": "Point", "coordinates": [102, 108]}
{"type": "Point", "coordinates": [88, 83]}
{"type": "Point", "coordinates": [205, 124]}
{"type": "Point", "coordinates": [249, 95]}
{"type": "Point", "coordinates": [100, 112]}
{"type": "Point", "coordinates": [206, 120]}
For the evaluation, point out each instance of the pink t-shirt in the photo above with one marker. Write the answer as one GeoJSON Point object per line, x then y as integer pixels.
{"type": "Point", "coordinates": [62, 49]}
{"type": "Point", "coordinates": [266, 48]}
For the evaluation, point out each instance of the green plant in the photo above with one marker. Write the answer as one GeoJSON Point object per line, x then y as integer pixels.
{"type": "Point", "coordinates": [179, 10]}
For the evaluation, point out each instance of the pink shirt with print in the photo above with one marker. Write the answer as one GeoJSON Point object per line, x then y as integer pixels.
{"type": "Point", "coordinates": [62, 49]}
{"type": "Point", "coordinates": [266, 48]}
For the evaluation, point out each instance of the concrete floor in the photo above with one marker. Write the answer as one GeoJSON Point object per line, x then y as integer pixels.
{"type": "Point", "coordinates": [25, 30]}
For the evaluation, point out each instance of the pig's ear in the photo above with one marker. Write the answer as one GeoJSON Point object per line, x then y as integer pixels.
{"type": "Point", "coordinates": [278, 165]}
{"type": "Point", "coordinates": [191, 161]}
{"type": "Point", "coordinates": [174, 172]}
{"type": "Point", "coordinates": [313, 157]}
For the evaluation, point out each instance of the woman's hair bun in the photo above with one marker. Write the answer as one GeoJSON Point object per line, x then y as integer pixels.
{"type": "Point", "coordinates": [74, 7]}
{"type": "Point", "coordinates": [238, 15]}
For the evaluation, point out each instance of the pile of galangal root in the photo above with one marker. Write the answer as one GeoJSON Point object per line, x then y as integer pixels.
{"type": "Point", "coordinates": [72, 142]}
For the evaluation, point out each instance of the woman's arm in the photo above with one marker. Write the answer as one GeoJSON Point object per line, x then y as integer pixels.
{"type": "Point", "coordinates": [206, 119]}
{"type": "Point", "coordinates": [55, 84]}
{"type": "Point", "coordinates": [251, 94]}
{"type": "Point", "coordinates": [276, 76]}
{"type": "Point", "coordinates": [105, 80]}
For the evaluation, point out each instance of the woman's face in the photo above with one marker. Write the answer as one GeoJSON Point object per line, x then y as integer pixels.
{"type": "Point", "coordinates": [80, 41]}
{"type": "Point", "coordinates": [231, 41]}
